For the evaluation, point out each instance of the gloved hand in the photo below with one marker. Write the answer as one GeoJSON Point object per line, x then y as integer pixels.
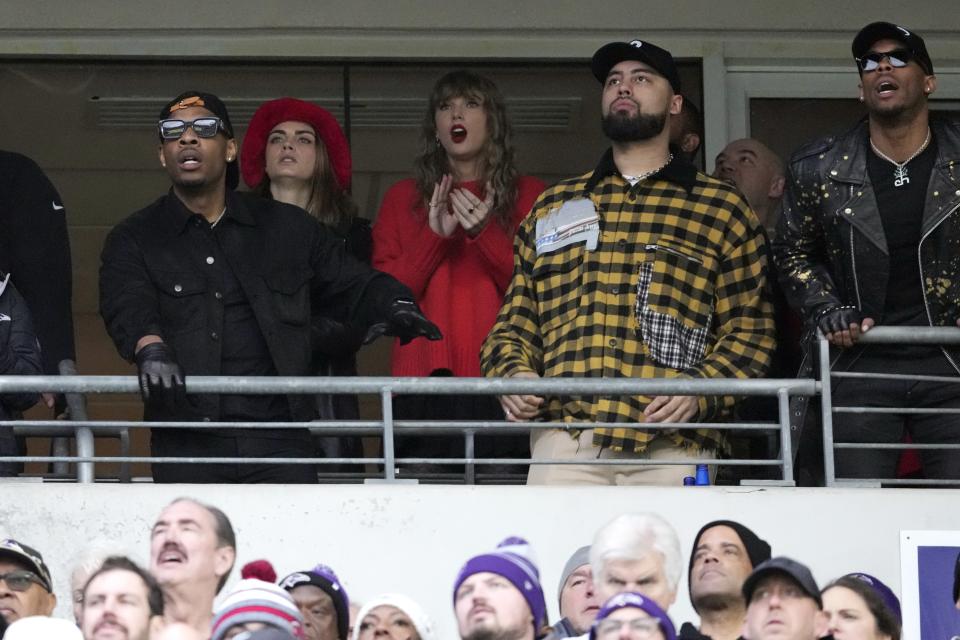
{"type": "Point", "coordinates": [161, 378]}
{"type": "Point", "coordinates": [405, 321]}
{"type": "Point", "coordinates": [843, 325]}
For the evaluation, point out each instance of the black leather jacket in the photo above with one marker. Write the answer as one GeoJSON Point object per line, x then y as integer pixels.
{"type": "Point", "coordinates": [289, 266]}
{"type": "Point", "coordinates": [19, 349]}
{"type": "Point", "coordinates": [831, 248]}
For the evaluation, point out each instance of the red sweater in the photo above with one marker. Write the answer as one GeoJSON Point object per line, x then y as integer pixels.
{"type": "Point", "coordinates": [459, 282]}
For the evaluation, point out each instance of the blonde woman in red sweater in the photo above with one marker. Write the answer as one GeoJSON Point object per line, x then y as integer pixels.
{"type": "Point", "coordinates": [447, 233]}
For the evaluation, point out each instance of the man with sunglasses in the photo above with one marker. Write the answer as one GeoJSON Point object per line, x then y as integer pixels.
{"type": "Point", "coordinates": [25, 585]}
{"type": "Point", "coordinates": [868, 236]}
{"type": "Point", "coordinates": [207, 281]}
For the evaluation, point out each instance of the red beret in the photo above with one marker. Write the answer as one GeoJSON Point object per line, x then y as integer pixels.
{"type": "Point", "coordinates": [272, 113]}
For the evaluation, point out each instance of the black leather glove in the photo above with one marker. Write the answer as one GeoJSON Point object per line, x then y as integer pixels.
{"type": "Point", "coordinates": [161, 378]}
{"type": "Point", "coordinates": [405, 321]}
{"type": "Point", "coordinates": [835, 319]}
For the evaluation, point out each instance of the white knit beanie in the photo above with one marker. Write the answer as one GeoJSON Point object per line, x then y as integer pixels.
{"type": "Point", "coordinates": [42, 627]}
{"type": "Point", "coordinates": [414, 611]}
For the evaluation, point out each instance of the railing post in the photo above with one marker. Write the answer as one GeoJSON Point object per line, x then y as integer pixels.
{"type": "Point", "coordinates": [470, 451]}
{"type": "Point", "coordinates": [386, 399]}
{"type": "Point", "coordinates": [786, 445]}
{"type": "Point", "coordinates": [826, 410]}
{"type": "Point", "coordinates": [86, 474]}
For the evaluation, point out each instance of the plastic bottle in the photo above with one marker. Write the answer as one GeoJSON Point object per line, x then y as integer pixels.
{"type": "Point", "coordinates": [703, 476]}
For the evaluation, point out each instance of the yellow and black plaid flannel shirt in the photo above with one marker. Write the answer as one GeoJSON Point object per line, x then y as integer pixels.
{"type": "Point", "coordinates": [675, 287]}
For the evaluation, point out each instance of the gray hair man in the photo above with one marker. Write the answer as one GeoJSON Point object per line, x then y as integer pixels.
{"type": "Point", "coordinates": [637, 552]}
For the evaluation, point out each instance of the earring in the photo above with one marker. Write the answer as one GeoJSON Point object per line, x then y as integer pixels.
{"type": "Point", "coordinates": [437, 139]}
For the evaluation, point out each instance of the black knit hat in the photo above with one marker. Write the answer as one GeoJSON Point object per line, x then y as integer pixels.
{"type": "Point", "coordinates": [214, 105]}
{"type": "Point", "coordinates": [758, 550]}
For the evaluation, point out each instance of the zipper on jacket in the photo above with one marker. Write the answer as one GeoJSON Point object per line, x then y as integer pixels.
{"type": "Point", "coordinates": [853, 265]}
{"type": "Point", "coordinates": [654, 247]}
{"type": "Point", "coordinates": [923, 289]}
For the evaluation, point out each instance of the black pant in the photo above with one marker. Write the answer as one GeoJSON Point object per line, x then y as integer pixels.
{"type": "Point", "coordinates": [890, 427]}
{"type": "Point", "coordinates": [192, 443]}
{"type": "Point", "coordinates": [455, 407]}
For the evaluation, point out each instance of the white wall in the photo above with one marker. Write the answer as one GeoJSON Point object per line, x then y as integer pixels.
{"type": "Point", "coordinates": [413, 539]}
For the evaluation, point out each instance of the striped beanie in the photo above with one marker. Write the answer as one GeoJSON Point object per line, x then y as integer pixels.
{"type": "Point", "coordinates": [254, 600]}
{"type": "Point", "coordinates": [513, 559]}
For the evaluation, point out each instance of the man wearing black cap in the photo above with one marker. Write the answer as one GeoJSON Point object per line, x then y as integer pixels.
{"type": "Point", "coordinates": [641, 268]}
{"type": "Point", "coordinates": [724, 554]}
{"type": "Point", "coordinates": [783, 602]}
{"type": "Point", "coordinates": [868, 235]}
{"type": "Point", "coordinates": [25, 585]}
{"type": "Point", "coordinates": [323, 602]}
{"type": "Point", "coordinates": [207, 281]}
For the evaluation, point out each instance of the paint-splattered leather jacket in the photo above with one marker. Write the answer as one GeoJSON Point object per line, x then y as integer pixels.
{"type": "Point", "coordinates": [831, 248]}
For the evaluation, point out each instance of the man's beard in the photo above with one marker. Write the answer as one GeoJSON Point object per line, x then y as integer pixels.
{"type": "Point", "coordinates": [491, 633]}
{"type": "Point", "coordinates": [717, 602]}
{"type": "Point", "coordinates": [621, 127]}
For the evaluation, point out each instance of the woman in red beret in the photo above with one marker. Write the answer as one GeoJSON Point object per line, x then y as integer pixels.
{"type": "Point", "coordinates": [447, 233]}
{"type": "Point", "coordinates": [295, 152]}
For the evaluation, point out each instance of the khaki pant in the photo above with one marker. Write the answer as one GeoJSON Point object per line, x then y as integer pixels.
{"type": "Point", "coordinates": [556, 444]}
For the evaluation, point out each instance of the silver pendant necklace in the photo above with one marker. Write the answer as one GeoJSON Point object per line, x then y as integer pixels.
{"type": "Point", "coordinates": [900, 175]}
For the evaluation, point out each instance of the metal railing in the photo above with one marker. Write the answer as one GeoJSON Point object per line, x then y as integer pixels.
{"type": "Point", "coordinates": [387, 427]}
{"type": "Point", "coordinates": [888, 336]}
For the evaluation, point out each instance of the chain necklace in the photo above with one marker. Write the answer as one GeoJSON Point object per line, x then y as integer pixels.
{"type": "Point", "coordinates": [646, 174]}
{"type": "Point", "coordinates": [900, 176]}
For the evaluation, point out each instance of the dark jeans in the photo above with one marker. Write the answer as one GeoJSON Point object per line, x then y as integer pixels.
{"type": "Point", "coordinates": [188, 443]}
{"type": "Point", "coordinates": [455, 407]}
{"type": "Point", "coordinates": [889, 428]}
{"type": "Point", "coordinates": [10, 445]}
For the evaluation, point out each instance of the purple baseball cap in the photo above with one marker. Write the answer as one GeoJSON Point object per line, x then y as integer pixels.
{"type": "Point", "coordinates": [637, 601]}
{"type": "Point", "coordinates": [890, 599]}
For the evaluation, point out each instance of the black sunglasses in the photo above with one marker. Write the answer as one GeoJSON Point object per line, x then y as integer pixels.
{"type": "Point", "coordinates": [203, 127]}
{"type": "Point", "coordinates": [21, 580]}
{"type": "Point", "coordinates": [898, 58]}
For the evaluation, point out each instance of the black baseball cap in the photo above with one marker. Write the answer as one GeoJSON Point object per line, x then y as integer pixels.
{"type": "Point", "coordinates": [875, 31]}
{"type": "Point", "coordinates": [612, 54]}
{"type": "Point", "coordinates": [29, 557]}
{"type": "Point", "coordinates": [214, 105]}
{"type": "Point", "coordinates": [783, 566]}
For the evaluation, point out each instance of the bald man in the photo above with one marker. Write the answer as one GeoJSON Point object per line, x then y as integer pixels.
{"type": "Point", "coordinates": [759, 174]}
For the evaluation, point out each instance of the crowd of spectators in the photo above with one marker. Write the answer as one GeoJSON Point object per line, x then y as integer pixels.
{"type": "Point", "coordinates": [622, 585]}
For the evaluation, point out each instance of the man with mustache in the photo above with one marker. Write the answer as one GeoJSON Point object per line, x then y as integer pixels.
{"type": "Point", "coordinates": [868, 236]}
{"type": "Point", "coordinates": [121, 601]}
{"type": "Point", "coordinates": [724, 554]}
{"type": "Point", "coordinates": [207, 281]}
{"type": "Point", "coordinates": [26, 588]}
{"type": "Point", "coordinates": [641, 268]}
{"type": "Point", "coordinates": [192, 551]}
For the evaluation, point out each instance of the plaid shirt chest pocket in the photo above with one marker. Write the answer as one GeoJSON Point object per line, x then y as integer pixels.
{"type": "Point", "coordinates": [674, 304]}
{"type": "Point", "coordinates": [558, 278]}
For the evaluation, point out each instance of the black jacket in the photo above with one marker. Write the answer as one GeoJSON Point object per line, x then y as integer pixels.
{"type": "Point", "coordinates": [19, 349]}
{"type": "Point", "coordinates": [288, 265]}
{"type": "Point", "coordinates": [831, 248]}
{"type": "Point", "coordinates": [34, 246]}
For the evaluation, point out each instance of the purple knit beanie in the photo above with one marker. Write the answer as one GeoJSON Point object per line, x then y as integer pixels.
{"type": "Point", "coordinates": [513, 559]}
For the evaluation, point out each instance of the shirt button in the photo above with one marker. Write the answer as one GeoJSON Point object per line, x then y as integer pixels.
{"type": "Point", "coordinates": [177, 288]}
{"type": "Point", "coordinates": [615, 290]}
{"type": "Point", "coordinates": [612, 342]}
{"type": "Point", "coordinates": [214, 335]}
{"type": "Point", "coordinates": [210, 260]}
{"type": "Point", "coordinates": [218, 295]}
{"type": "Point", "coordinates": [621, 243]}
